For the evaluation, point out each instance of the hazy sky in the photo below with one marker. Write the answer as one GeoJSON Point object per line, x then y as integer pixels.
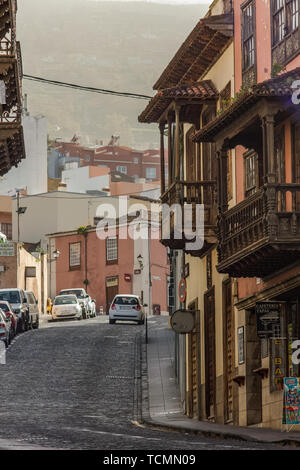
{"type": "Point", "coordinates": [162, 1]}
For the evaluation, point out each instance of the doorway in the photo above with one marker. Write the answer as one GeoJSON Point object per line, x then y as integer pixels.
{"type": "Point", "coordinates": [112, 289]}
{"type": "Point", "coordinates": [210, 353]}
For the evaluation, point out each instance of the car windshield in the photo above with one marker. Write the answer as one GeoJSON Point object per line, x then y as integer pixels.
{"type": "Point", "coordinates": [65, 300]}
{"type": "Point", "coordinates": [4, 307]}
{"type": "Point", "coordinates": [11, 296]}
{"type": "Point", "coordinates": [79, 293]}
{"type": "Point", "coordinates": [126, 301]}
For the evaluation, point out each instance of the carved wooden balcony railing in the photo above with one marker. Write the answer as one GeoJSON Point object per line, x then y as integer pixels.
{"type": "Point", "coordinates": [261, 235]}
{"type": "Point", "coordinates": [185, 193]}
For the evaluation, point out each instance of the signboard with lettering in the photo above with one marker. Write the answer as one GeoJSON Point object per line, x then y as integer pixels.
{"type": "Point", "coordinates": [291, 400]}
{"type": "Point", "coordinates": [7, 249]}
{"type": "Point", "coordinates": [277, 363]}
{"type": "Point", "coordinates": [267, 318]}
{"type": "Point", "coordinates": [241, 351]}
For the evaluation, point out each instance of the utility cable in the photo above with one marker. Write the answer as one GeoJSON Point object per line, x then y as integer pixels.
{"type": "Point", "coordinates": [86, 88]}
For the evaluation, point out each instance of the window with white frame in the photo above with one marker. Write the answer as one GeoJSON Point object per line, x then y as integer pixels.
{"type": "Point", "coordinates": [150, 173]}
{"type": "Point", "coordinates": [75, 252]}
{"type": "Point", "coordinates": [122, 169]}
{"type": "Point", "coordinates": [112, 250]}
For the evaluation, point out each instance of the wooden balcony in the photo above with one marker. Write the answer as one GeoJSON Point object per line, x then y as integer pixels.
{"type": "Point", "coordinates": [185, 193]}
{"type": "Point", "coordinates": [261, 235]}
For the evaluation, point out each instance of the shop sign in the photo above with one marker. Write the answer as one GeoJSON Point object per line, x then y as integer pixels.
{"type": "Point", "coordinates": [183, 321]}
{"type": "Point", "coordinates": [241, 351]}
{"type": "Point", "coordinates": [267, 318]}
{"type": "Point", "coordinates": [291, 400]}
{"type": "Point", "coordinates": [277, 363]}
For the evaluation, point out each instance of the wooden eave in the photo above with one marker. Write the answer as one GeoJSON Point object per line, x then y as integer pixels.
{"type": "Point", "coordinates": [166, 100]}
{"type": "Point", "coordinates": [200, 50]}
{"type": "Point", "coordinates": [277, 90]}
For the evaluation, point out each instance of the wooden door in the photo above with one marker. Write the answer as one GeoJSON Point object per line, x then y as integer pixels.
{"type": "Point", "coordinates": [112, 289]}
{"type": "Point", "coordinates": [228, 339]}
{"type": "Point", "coordinates": [210, 353]}
{"type": "Point", "coordinates": [296, 166]}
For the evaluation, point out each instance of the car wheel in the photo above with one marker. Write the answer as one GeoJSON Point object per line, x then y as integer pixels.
{"type": "Point", "coordinates": [112, 322]}
{"type": "Point", "coordinates": [36, 325]}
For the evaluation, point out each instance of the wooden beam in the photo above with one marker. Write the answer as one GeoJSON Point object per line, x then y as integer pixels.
{"type": "Point", "coordinates": [162, 158]}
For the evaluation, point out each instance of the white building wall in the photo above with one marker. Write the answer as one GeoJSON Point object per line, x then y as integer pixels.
{"type": "Point", "coordinates": [32, 171]}
{"type": "Point", "coordinates": [79, 181]}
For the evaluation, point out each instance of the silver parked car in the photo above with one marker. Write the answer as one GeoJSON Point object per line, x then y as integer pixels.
{"type": "Point", "coordinates": [34, 316]}
{"type": "Point", "coordinates": [126, 307]}
{"type": "Point", "coordinates": [66, 306]}
{"type": "Point", "coordinates": [17, 299]}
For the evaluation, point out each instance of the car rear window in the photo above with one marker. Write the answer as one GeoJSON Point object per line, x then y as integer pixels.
{"type": "Point", "coordinates": [4, 307]}
{"type": "Point", "coordinates": [77, 292]}
{"type": "Point", "coordinates": [126, 301]}
{"type": "Point", "coordinates": [11, 296]}
{"type": "Point", "coordinates": [65, 300]}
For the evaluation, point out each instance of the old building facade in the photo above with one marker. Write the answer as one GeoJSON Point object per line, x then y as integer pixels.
{"type": "Point", "coordinates": [228, 99]}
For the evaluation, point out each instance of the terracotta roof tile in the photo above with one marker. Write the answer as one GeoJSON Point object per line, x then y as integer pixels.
{"type": "Point", "coordinates": [199, 91]}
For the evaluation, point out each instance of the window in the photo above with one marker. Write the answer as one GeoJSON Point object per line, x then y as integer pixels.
{"type": "Point", "coordinates": [111, 250]}
{"type": "Point", "coordinates": [248, 36]}
{"type": "Point", "coordinates": [87, 158]}
{"type": "Point", "coordinates": [285, 18]}
{"type": "Point", "coordinates": [6, 229]}
{"type": "Point", "coordinates": [251, 172]}
{"type": "Point", "coordinates": [122, 169]}
{"type": "Point", "coordinates": [136, 160]}
{"type": "Point", "coordinates": [75, 252]}
{"type": "Point", "coordinates": [151, 173]}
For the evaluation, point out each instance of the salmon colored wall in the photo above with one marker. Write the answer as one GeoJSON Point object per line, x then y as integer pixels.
{"type": "Point", "coordinates": [159, 269]}
{"type": "Point", "coordinates": [97, 268]}
{"type": "Point", "coordinates": [98, 271]}
{"type": "Point", "coordinates": [5, 217]}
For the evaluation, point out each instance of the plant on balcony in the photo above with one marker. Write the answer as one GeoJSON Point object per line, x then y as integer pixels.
{"type": "Point", "coordinates": [82, 230]}
{"type": "Point", "coordinates": [276, 69]}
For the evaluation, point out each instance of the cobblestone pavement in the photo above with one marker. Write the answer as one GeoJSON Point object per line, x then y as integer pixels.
{"type": "Point", "coordinates": [71, 385]}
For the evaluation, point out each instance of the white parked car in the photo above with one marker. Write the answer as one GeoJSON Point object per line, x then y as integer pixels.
{"type": "Point", "coordinates": [82, 297]}
{"type": "Point", "coordinates": [92, 307]}
{"type": "Point", "coordinates": [5, 328]}
{"type": "Point", "coordinates": [126, 307]}
{"type": "Point", "coordinates": [33, 309]}
{"type": "Point", "coordinates": [66, 306]}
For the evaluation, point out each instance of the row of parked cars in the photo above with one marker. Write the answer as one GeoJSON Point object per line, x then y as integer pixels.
{"type": "Point", "coordinates": [73, 303]}
{"type": "Point", "coordinates": [19, 312]}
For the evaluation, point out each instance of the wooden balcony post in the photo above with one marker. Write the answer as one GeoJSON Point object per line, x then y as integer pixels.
{"type": "Point", "coordinates": [269, 146]}
{"type": "Point", "coordinates": [272, 218]}
{"type": "Point", "coordinates": [170, 153]}
{"type": "Point", "coordinates": [177, 143]}
{"type": "Point", "coordinates": [162, 158]}
{"type": "Point", "coordinates": [223, 178]}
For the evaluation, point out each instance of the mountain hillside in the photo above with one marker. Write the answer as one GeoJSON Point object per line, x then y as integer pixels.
{"type": "Point", "coordinates": [111, 45]}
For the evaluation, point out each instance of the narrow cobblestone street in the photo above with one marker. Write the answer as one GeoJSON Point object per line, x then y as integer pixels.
{"type": "Point", "coordinates": [71, 385]}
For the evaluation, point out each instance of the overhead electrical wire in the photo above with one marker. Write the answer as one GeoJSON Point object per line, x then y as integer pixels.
{"type": "Point", "coordinates": [86, 88]}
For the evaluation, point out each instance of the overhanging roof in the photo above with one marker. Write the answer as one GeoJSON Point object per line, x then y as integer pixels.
{"type": "Point", "coordinates": [193, 93]}
{"type": "Point", "coordinates": [278, 87]}
{"type": "Point", "coordinates": [200, 50]}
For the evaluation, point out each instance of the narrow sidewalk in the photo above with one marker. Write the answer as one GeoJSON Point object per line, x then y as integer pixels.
{"type": "Point", "coordinates": [164, 396]}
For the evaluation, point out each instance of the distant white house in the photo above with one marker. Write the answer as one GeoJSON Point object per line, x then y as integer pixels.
{"type": "Point", "coordinates": [31, 173]}
{"type": "Point", "coordinates": [85, 178]}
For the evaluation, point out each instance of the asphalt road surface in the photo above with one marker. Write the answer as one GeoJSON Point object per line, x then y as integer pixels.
{"type": "Point", "coordinates": [70, 385]}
